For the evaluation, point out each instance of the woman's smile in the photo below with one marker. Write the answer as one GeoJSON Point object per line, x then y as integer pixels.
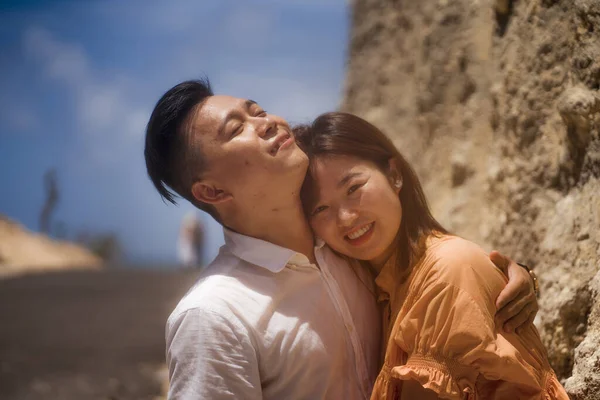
{"type": "Point", "coordinates": [360, 235]}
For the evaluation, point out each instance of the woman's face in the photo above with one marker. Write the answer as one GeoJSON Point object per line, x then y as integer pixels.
{"type": "Point", "coordinates": [354, 207]}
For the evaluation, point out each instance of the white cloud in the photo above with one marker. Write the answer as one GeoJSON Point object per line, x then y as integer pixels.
{"type": "Point", "coordinates": [61, 60]}
{"type": "Point", "coordinates": [104, 110]}
{"type": "Point", "coordinates": [99, 106]}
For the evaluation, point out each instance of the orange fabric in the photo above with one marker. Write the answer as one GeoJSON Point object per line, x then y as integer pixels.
{"type": "Point", "coordinates": [440, 331]}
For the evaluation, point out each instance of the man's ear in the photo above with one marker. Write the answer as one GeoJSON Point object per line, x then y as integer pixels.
{"type": "Point", "coordinates": [394, 175]}
{"type": "Point", "coordinates": [209, 193]}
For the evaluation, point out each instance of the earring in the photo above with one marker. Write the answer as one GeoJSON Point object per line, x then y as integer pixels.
{"type": "Point", "coordinates": [398, 184]}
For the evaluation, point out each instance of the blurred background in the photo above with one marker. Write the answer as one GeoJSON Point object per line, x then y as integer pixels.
{"type": "Point", "coordinates": [496, 103]}
{"type": "Point", "coordinates": [79, 80]}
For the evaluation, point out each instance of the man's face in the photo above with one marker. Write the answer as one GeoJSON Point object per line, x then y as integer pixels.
{"type": "Point", "coordinates": [249, 153]}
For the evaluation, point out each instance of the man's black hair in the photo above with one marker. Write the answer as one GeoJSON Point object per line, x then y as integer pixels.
{"type": "Point", "coordinates": [173, 160]}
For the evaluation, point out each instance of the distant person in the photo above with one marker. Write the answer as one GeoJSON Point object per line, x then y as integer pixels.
{"type": "Point", "coordinates": [191, 241]}
{"type": "Point", "coordinates": [277, 314]}
{"type": "Point", "coordinates": [52, 197]}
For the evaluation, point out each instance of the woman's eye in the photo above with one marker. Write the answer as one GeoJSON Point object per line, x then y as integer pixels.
{"type": "Point", "coordinates": [261, 113]}
{"type": "Point", "coordinates": [354, 188]}
{"type": "Point", "coordinates": [318, 210]}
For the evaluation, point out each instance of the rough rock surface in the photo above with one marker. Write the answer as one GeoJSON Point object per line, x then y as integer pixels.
{"type": "Point", "coordinates": [22, 251]}
{"type": "Point", "coordinates": [497, 105]}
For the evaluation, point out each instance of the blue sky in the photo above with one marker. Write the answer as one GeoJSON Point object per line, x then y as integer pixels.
{"type": "Point", "coordinates": [79, 80]}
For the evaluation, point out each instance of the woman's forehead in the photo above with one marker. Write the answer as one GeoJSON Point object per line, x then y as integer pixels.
{"type": "Point", "coordinates": [323, 172]}
{"type": "Point", "coordinates": [331, 163]}
{"type": "Point", "coordinates": [334, 168]}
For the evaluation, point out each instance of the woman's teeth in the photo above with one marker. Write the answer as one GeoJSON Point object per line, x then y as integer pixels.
{"type": "Point", "coordinates": [360, 232]}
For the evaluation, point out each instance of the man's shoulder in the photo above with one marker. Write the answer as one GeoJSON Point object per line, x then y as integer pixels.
{"type": "Point", "coordinates": [212, 286]}
{"type": "Point", "coordinates": [227, 285]}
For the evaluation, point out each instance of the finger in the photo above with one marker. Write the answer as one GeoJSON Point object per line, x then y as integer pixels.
{"type": "Point", "coordinates": [520, 317]}
{"type": "Point", "coordinates": [527, 322]}
{"type": "Point", "coordinates": [499, 260]}
{"type": "Point", "coordinates": [518, 320]}
{"type": "Point", "coordinates": [512, 309]}
{"type": "Point", "coordinates": [511, 292]}
{"type": "Point", "coordinates": [519, 284]}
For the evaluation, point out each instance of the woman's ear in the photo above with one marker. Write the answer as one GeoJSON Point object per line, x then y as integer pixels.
{"type": "Point", "coordinates": [209, 193]}
{"type": "Point", "coordinates": [394, 175]}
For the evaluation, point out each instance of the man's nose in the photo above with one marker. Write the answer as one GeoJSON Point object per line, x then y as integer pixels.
{"type": "Point", "coordinates": [267, 127]}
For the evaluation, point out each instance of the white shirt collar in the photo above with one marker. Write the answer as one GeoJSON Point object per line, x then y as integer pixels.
{"type": "Point", "coordinates": [319, 243]}
{"type": "Point", "coordinates": [262, 253]}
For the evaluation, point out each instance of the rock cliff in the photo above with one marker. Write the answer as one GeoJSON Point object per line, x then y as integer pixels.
{"type": "Point", "coordinates": [497, 105]}
{"type": "Point", "coordinates": [22, 252]}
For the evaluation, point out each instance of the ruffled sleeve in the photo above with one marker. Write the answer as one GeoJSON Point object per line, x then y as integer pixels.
{"type": "Point", "coordinates": [444, 376]}
{"type": "Point", "coordinates": [448, 337]}
{"type": "Point", "coordinates": [444, 333]}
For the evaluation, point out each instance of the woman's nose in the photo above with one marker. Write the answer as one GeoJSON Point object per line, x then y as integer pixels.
{"type": "Point", "coordinates": [346, 217]}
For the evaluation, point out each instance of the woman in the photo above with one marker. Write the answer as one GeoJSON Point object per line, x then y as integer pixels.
{"type": "Point", "coordinates": [438, 290]}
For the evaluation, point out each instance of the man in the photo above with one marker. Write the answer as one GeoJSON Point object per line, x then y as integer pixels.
{"type": "Point", "coordinates": [274, 316]}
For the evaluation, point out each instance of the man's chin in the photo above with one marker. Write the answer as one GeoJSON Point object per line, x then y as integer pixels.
{"type": "Point", "coordinates": [295, 162]}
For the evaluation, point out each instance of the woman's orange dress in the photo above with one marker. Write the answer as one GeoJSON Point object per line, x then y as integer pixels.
{"type": "Point", "coordinates": [440, 331]}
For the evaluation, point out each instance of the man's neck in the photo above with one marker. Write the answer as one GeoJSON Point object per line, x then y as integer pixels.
{"type": "Point", "coordinates": [284, 226]}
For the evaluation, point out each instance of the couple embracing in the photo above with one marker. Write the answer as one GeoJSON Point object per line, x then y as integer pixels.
{"type": "Point", "coordinates": [335, 280]}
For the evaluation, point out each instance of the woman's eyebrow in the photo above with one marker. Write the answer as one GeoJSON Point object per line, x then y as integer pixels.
{"type": "Point", "coordinates": [346, 178]}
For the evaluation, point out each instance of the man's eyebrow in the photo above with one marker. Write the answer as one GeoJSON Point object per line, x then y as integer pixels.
{"type": "Point", "coordinates": [230, 114]}
{"type": "Point", "coordinates": [346, 178]}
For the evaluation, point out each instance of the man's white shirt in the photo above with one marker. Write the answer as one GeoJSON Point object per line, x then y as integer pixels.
{"type": "Point", "coordinates": [263, 322]}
